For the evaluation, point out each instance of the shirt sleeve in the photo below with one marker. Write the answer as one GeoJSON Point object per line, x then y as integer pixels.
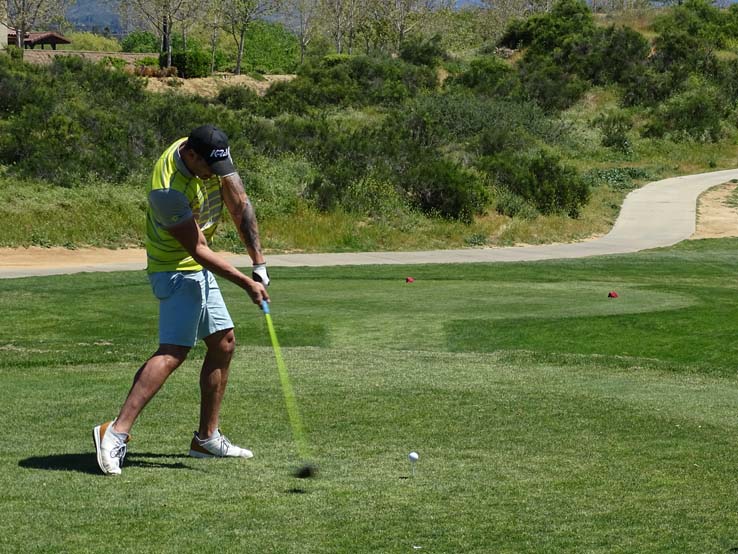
{"type": "Point", "coordinates": [169, 207]}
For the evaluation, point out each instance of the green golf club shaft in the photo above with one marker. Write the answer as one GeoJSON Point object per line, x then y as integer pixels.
{"type": "Point", "coordinates": [290, 401]}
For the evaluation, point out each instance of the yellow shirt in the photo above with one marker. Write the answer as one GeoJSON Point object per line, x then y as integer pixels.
{"type": "Point", "coordinates": [176, 195]}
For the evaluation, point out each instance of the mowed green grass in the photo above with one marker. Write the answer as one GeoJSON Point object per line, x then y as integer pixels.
{"type": "Point", "coordinates": [548, 418]}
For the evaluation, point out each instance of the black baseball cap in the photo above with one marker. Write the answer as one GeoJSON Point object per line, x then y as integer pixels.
{"type": "Point", "coordinates": [212, 144]}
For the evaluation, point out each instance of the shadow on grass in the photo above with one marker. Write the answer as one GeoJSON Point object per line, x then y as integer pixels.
{"type": "Point", "coordinates": [86, 462]}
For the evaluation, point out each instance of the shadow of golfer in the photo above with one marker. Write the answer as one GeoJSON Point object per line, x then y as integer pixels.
{"type": "Point", "coordinates": [86, 462]}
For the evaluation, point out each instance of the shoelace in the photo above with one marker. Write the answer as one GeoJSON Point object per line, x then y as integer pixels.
{"type": "Point", "coordinates": [225, 445]}
{"type": "Point", "coordinates": [119, 452]}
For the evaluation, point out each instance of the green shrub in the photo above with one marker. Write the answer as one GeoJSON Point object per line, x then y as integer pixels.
{"type": "Point", "coordinates": [439, 186]}
{"type": "Point", "coordinates": [276, 185]}
{"type": "Point", "coordinates": [546, 32]}
{"type": "Point", "coordinates": [237, 97]}
{"type": "Point", "coordinates": [617, 178]}
{"type": "Point", "coordinates": [680, 53]}
{"type": "Point", "coordinates": [616, 53]}
{"type": "Point", "coordinates": [374, 197]}
{"type": "Point", "coordinates": [141, 41]}
{"type": "Point", "coordinates": [552, 87]}
{"type": "Point", "coordinates": [270, 48]}
{"type": "Point", "coordinates": [55, 131]}
{"type": "Point", "coordinates": [696, 113]}
{"type": "Point", "coordinates": [190, 63]}
{"type": "Point", "coordinates": [350, 81]}
{"type": "Point", "coordinates": [513, 205]}
{"type": "Point", "coordinates": [113, 62]}
{"type": "Point", "coordinates": [419, 50]}
{"type": "Point", "coordinates": [459, 116]}
{"type": "Point", "coordinates": [700, 19]}
{"type": "Point", "coordinates": [91, 42]}
{"type": "Point", "coordinates": [147, 62]}
{"type": "Point", "coordinates": [14, 52]}
{"type": "Point", "coordinates": [727, 78]}
{"type": "Point", "coordinates": [615, 126]}
{"type": "Point", "coordinates": [645, 86]}
{"type": "Point", "coordinates": [541, 178]}
{"type": "Point", "coordinates": [490, 76]}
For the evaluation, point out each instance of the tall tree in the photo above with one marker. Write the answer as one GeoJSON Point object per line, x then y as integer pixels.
{"type": "Point", "coordinates": [400, 17]}
{"type": "Point", "coordinates": [24, 15]}
{"type": "Point", "coordinates": [238, 15]}
{"type": "Point", "coordinates": [301, 16]}
{"type": "Point", "coordinates": [343, 18]}
{"type": "Point", "coordinates": [161, 15]}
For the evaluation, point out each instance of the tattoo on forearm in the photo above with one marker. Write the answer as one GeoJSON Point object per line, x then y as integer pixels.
{"type": "Point", "coordinates": [250, 228]}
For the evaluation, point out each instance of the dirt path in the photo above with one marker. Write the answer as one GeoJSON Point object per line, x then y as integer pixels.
{"type": "Point", "coordinates": [715, 217]}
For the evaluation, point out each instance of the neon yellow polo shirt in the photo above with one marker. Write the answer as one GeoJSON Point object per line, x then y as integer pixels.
{"type": "Point", "coordinates": [176, 195]}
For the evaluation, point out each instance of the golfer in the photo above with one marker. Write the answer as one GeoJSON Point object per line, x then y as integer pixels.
{"type": "Point", "coordinates": [192, 180]}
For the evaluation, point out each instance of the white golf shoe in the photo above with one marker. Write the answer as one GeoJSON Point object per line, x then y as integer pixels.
{"type": "Point", "coordinates": [110, 447]}
{"type": "Point", "coordinates": [217, 446]}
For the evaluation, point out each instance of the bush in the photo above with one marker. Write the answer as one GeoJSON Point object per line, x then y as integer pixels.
{"type": "Point", "coordinates": [350, 81]}
{"type": "Point", "coordinates": [237, 97]}
{"type": "Point", "coordinates": [91, 42]}
{"type": "Point", "coordinates": [490, 76]}
{"type": "Point", "coordinates": [439, 186]}
{"type": "Point", "coordinates": [695, 113]}
{"type": "Point", "coordinates": [699, 19]}
{"type": "Point", "coordinates": [190, 63]}
{"type": "Point", "coordinates": [679, 53]}
{"type": "Point", "coordinates": [418, 50]}
{"type": "Point", "coordinates": [552, 87]}
{"type": "Point", "coordinates": [616, 53]}
{"type": "Point", "coordinates": [645, 86]}
{"type": "Point", "coordinates": [276, 185]}
{"type": "Point", "coordinates": [617, 178]}
{"type": "Point", "coordinates": [270, 48]}
{"type": "Point", "coordinates": [513, 205]}
{"type": "Point", "coordinates": [615, 126]}
{"type": "Point", "coordinates": [141, 42]}
{"type": "Point", "coordinates": [547, 32]}
{"type": "Point", "coordinates": [540, 178]}
{"type": "Point", "coordinates": [376, 198]}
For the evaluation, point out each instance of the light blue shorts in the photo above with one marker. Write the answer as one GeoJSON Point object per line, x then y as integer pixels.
{"type": "Point", "coordinates": [190, 306]}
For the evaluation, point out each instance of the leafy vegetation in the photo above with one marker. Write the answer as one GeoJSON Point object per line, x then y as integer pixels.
{"type": "Point", "coordinates": [391, 141]}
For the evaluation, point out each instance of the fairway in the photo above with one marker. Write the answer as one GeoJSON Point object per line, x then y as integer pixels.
{"type": "Point", "coordinates": [547, 416]}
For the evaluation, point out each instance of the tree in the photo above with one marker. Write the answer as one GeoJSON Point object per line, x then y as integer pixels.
{"type": "Point", "coordinates": [238, 15]}
{"type": "Point", "coordinates": [300, 18]}
{"type": "Point", "coordinates": [343, 19]}
{"type": "Point", "coordinates": [24, 15]}
{"type": "Point", "coordinates": [161, 15]}
{"type": "Point", "coordinates": [400, 17]}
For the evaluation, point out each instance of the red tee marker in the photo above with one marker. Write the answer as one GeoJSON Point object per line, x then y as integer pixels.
{"type": "Point", "coordinates": [612, 294]}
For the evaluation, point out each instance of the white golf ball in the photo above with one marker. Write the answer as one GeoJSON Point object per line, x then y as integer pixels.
{"type": "Point", "coordinates": [413, 456]}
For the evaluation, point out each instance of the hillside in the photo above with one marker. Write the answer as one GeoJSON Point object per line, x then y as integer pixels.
{"type": "Point", "coordinates": [95, 16]}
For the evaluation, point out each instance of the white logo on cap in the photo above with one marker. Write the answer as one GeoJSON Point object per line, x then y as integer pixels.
{"type": "Point", "coordinates": [220, 153]}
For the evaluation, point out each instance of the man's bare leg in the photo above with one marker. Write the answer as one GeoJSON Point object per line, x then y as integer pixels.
{"type": "Point", "coordinates": [214, 378]}
{"type": "Point", "coordinates": [147, 382]}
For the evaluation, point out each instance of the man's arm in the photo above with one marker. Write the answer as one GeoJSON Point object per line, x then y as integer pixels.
{"type": "Point", "coordinates": [243, 215]}
{"type": "Point", "coordinates": [190, 236]}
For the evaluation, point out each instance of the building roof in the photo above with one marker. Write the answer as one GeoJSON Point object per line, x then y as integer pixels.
{"type": "Point", "coordinates": [33, 39]}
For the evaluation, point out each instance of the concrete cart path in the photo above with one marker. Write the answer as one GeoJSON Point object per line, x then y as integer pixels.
{"type": "Point", "coordinates": [659, 214]}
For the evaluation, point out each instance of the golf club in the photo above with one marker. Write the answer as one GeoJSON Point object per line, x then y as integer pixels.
{"type": "Point", "coordinates": [307, 469]}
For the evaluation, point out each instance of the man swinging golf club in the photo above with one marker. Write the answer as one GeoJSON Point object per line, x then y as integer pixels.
{"type": "Point", "coordinates": [191, 181]}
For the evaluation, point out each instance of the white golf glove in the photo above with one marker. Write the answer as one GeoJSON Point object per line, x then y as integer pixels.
{"type": "Point", "coordinates": [260, 274]}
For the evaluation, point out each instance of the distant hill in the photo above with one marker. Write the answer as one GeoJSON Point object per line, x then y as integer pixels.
{"type": "Point", "coordinates": [98, 16]}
